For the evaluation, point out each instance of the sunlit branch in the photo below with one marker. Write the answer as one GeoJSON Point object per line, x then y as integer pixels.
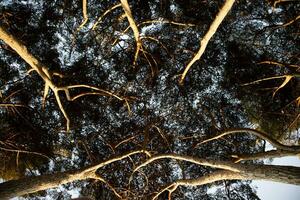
{"type": "Point", "coordinates": [266, 155]}
{"type": "Point", "coordinates": [125, 141]}
{"type": "Point", "coordinates": [104, 14]}
{"type": "Point", "coordinates": [85, 15]}
{"type": "Point", "coordinates": [282, 1]}
{"type": "Point", "coordinates": [33, 184]}
{"type": "Point", "coordinates": [206, 179]}
{"type": "Point", "coordinates": [47, 76]}
{"type": "Point", "coordinates": [289, 22]}
{"type": "Point", "coordinates": [211, 31]}
{"type": "Point", "coordinates": [287, 79]}
{"type": "Point", "coordinates": [154, 21]}
{"type": "Point", "coordinates": [257, 133]}
{"type": "Point", "coordinates": [100, 178]}
{"type": "Point", "coordinates": [134, 28]}
{"type": "Point", "coordinates": [12, 105]}
{"type": "Point", "coordinates": [117, 158]}
{"type": "Point", "coordinates": [278, 64]}
{"type": "Point", "coordinates": [199, 161]}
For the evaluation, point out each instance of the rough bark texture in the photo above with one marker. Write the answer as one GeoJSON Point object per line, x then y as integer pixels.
{"type": "Point", "coordinates": [29, 185]}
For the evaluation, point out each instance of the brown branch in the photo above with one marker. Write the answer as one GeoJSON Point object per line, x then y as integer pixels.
{"type": "Point", "coordinates": [289, 22]}
{"type": "Point", "coordinates": [257, 133]}
{"type": "Point", "coordinates": [18, 151]}
{"type": "Point", "coordinates": [211, 31]}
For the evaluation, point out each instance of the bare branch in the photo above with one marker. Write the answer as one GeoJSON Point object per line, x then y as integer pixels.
{"type": "Point", "coordinates": [134, 28]}
{"type": "Point", "coordinates": [209, 178]}
{"type": "Point", "coordinates": [266, 155]}
{"type": "Point", "coordinates": [211, 31]}
{"type": "Point", "coordinates": [104, 14]}
{"type": "Point", "coordinates": [18, 151]}
{"type": "Point", "coordinates": [85, 15]}
{"type": "Point", "coordinates": [29, 185]}
{"type": "Point", "coordinates": [47, 76]}
{"type": "Point", "coordinates": [257, 133]}
{"type": "Point", "coordinates": [205, 162]}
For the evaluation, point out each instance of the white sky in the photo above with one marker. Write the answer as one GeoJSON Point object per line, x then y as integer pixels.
{"type": "Point", "coordinates": [268, 190]}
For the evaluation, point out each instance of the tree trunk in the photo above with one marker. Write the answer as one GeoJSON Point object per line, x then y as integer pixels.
{"type": "Point", "coordinates": [29, 185]}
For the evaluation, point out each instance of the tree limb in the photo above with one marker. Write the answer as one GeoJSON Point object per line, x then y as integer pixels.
{"type": "Point", "coordinates": [211, 31]}
{"type": "Point", "coordinates": [43, 72]}
{"type": "Point", "coordinates": [27, 185]}
{"type": "Point", "coordinates": [257, 133]}
{"type": "Point", "coordinates": [85, 15]}
{"type": "Point", "coordinates": [134, 28]}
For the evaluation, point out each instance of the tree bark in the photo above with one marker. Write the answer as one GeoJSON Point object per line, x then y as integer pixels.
{"type": "Point", "coordinates": [29, 185]}
{"type": "Point", "coordinates": [284, 174]}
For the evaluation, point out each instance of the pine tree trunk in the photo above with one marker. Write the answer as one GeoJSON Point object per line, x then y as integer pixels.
{"type": "Point", "coordinates": [29, 185]}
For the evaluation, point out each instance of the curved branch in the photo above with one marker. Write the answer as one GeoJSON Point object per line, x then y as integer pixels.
{"type": "Point", "coordinates": [104, 14]}
{"type": "Point", "coordinates": [209, 178]}
{"type": "Point", "coordinates": [199, 161]}
{"type": "Point", "coordinates": [134, 28]}
{"type": "Point", "coordinates": [257, 133]}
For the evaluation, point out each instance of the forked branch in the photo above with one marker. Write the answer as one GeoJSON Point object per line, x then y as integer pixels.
{"type": "Point", "coordinates": [43, 72]}
{"type": "Point", "coordinates": [38, 183]}
{"type": "Point", "coordinates": [231, 171]}
{"type": "Point", "coordinates": [206, 179]}
{"type": "Point", "coordinates": [104, 14]}
{"type": "Point", "coordinates": [85, 15]}
{"type": "Point", "coordinates": [134, 28]}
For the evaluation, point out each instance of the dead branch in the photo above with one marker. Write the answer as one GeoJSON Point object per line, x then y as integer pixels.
{"type": "Point", "coordinates": [211, 31]}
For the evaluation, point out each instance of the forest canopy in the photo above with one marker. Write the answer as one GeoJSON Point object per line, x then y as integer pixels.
{"type": "Point", "coordinates": [161, 99]}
